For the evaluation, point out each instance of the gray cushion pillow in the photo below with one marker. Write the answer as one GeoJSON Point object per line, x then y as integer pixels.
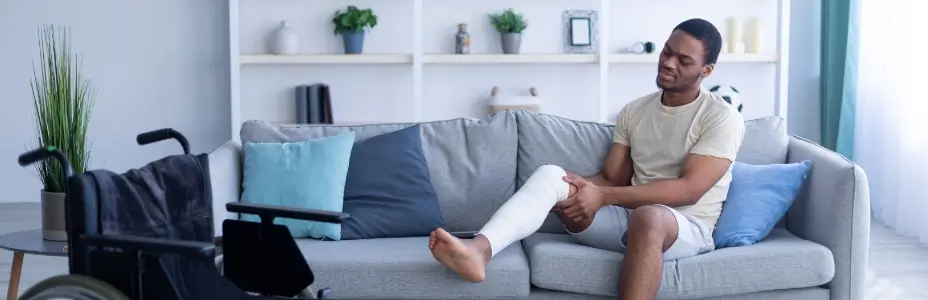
{"type": "Point", "coordinates": [388, 191]}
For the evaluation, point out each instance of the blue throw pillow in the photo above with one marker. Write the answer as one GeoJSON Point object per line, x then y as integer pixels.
{"type": "Point", "coordinates": [389, 191]}
{"type": "Point", "coordinates": [758, 198]}
{"type": "Point", "coordinates": [309, 174]}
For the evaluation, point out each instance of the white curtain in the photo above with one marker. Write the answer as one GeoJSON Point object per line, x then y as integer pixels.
{"type": "Point", "coordinates": [891, 139]}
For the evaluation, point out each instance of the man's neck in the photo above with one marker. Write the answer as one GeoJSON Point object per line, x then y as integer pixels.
{"type": "Point", "coordinates": [680, 98]}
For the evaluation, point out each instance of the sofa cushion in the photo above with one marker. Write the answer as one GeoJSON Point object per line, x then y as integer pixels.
{"type": "Point", "coordinates": [403, 268]}
{"type": "Point", "coordinates": [782, 261]}
{"type": "Point", "coordinates": [576, 146]}
{"type": "Point", "coordinates": [758, 198]}
{"type": "Point", "coordinates": [765, 141]}
{"type": "Point", "coordinates": [308, 174]}
{"type": "Point", "coordinates": [472, 163]}
{"type": "Point", "coordinates": [388, 191]}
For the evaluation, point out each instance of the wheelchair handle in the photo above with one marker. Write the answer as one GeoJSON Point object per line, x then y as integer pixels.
{"type": "Point", "coordinates": [43, 153]}
{"type": "Point", "coordinates": [158, 135]}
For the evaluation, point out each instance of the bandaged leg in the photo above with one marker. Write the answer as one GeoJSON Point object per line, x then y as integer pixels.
{"type": "Point", "coordinates": [519, 217]}
{"type": "Point", "coordinates": [524, 213]}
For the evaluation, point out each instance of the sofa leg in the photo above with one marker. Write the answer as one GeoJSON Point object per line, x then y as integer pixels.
{"type": "Point", "coordinates": [323, 293]}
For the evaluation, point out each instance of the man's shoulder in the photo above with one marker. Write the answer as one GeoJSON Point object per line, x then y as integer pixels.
{"type": "Point", "coordinates": [640, 102]}
{"type": "Point", "coordinates": [646, 98]}
{"type": "Point", "coordinates": [717, 108]}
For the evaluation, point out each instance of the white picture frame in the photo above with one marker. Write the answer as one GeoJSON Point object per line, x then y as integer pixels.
{"type": "Point", "coordinates": [581, 31]}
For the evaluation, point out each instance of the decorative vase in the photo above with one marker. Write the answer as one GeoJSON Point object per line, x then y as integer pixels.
{"type": "Point", "coordinates": [462, 40]}
{"type": "Point", "coordinates": [511, 42]}
{"type": "Point", "coordinates": [284, 40]}
{"type": "Point", "coordinates": [54, 227]}
{"type": "Point", "coordinates": [354, 41]}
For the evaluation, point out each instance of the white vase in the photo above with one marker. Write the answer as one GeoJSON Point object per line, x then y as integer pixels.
{"type": "Point", "coordinates": [53, 217]}
{"type": "Point", "coordinates": [284, 40]}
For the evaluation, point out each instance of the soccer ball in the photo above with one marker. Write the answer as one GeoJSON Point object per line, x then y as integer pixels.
{"type": "Point", "coordinates": [730, 94]}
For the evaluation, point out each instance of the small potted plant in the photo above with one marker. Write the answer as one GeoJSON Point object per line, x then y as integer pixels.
{"type": "Point", "coordinates": [351, 24]}
{"type": "Point", "coordinates": [510, 25]}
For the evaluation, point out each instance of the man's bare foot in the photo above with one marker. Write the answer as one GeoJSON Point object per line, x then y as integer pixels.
{"type": "Point", "coordinates": [460, 256]}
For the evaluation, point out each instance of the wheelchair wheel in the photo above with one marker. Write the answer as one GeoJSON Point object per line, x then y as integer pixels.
{"type": "Point", "coordinates": [72, 287]}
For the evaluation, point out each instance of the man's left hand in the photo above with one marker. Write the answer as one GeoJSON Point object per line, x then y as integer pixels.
{"type": "Point", "coordinates": [585, 202]}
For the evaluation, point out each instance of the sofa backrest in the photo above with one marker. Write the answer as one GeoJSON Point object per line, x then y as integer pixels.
{"type": "Point", "coordinates": [476, 165]}
{"type": "Point", "coordinates": [472, 163]}
{"type": "Point", "coordinates": [580, 147]}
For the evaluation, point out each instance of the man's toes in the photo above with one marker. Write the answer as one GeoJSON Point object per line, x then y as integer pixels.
{"type": "Point", "coordinates": [443, 235]}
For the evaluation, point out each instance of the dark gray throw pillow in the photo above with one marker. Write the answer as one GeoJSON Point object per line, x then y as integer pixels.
{"type": "Point", "coordinates": [388, 191]}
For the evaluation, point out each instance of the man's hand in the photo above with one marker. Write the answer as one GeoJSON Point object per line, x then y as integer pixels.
{"type": "Point", "coordinates": [585, 202]}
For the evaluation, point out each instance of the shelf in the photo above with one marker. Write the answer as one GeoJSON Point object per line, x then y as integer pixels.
{"type": "Point", "coordinates": [723, 58]}
{"type": "Point", "coordinates": [510, 58]}
{"type": "Point", "coordinates": [258, 59]}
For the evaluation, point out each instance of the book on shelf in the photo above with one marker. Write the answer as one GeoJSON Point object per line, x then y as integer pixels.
{"type": "Point", "coordinates": [313, 104]}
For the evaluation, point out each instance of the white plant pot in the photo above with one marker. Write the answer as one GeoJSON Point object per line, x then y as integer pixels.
{"type": "Point", "coordinates": [54, 227]}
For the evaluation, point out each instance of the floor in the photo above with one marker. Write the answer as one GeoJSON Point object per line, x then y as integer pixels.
{"type": "Point", "coordinates": [898, 265]}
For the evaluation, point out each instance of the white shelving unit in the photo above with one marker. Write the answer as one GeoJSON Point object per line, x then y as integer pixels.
{"type": "Point", "coordinates": [417, 59]}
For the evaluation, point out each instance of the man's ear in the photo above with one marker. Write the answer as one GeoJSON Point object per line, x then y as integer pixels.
{"type": "Point", "coordinates": [707, 70]}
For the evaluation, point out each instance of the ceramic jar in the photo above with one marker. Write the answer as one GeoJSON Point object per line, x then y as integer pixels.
{"type": "Point", "coordinates": [284, 40]}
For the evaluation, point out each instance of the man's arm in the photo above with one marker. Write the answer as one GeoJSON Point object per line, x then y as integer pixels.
{"type": "Point", "coordinates": [699, 174]}
{"type": "Point", "coordinates": [617, 168]}
{"type": "Point", "coordinates": [708, 160]}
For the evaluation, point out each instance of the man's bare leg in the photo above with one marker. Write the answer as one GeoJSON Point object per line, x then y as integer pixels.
{"type": "Point", "coordinates": [470, 258]}
{"type": "Point", "coordinates": [651, 230]}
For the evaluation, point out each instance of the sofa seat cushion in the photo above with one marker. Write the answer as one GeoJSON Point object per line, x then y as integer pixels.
{"type": "Point", "coordinates": [781, 261]}
{"type": "Point", "coordinates": [403, 268]}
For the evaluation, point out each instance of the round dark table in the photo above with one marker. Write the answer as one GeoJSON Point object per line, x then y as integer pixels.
{"type": "Point", "coordinates": [21, 243]}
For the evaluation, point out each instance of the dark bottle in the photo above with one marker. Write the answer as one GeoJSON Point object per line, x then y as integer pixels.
{"type": "Point", "coordinates": [462, 40]}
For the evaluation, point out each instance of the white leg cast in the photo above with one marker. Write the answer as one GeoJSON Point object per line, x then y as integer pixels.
{"type": "Point", "coordinates": [525, 212]}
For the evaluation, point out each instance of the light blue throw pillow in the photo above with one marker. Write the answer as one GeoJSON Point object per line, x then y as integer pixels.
{"type": "Point", "coordinates": [309, 174]}
{"type": "Point", "coordinates": [758, 197]}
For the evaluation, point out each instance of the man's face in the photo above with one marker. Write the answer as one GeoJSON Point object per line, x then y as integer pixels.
{"type": "Point", "coordinates": [681, 63]}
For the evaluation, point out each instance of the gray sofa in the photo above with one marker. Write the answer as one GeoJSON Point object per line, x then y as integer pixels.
{"type": "Point", "coordinates": [819, 251]}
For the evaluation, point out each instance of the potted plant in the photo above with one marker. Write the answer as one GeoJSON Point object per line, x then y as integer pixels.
{"type": "Point", "coordinates": [351, 25]}
{"type": "Point", "coordinates": [63, 99]}
{"type": "Point", "coordinates": [510, 25]}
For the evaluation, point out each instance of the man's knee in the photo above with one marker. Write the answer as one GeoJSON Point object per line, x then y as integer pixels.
{"type": "Point", "coordinates": [653, 222]}
{"type": "Point", "coordinates": [550, 169]}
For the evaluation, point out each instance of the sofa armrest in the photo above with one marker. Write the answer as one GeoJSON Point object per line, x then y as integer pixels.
{"type": "Point", "coordinates": [833, 209]}
{"type": "Point", "coordinates": [225, 171]}
{"type": "Point", "coordinates": [267, 213]}
{"type": "Point", "coordinates": [150, 245]}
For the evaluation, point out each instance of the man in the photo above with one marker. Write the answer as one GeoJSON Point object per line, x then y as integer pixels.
{"type": "Point", "coordinates": [661, 189]}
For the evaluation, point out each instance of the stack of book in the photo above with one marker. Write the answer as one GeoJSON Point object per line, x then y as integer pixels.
{"type": "Point", "coordinates": [313, 104]}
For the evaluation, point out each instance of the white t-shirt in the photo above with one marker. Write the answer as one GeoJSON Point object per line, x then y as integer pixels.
{"type": "Point", "coordinates": [660, 138]}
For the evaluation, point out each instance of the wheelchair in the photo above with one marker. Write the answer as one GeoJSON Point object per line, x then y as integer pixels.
{"type": "Point", "coordinates": [260, 260]}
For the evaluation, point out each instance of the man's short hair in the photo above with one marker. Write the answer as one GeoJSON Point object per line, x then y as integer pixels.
{"type": "Point", "coordinates": [705, 32]}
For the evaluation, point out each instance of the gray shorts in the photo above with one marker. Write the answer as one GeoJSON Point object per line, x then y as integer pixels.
{"type": "Point", "coordinates": [608, 232]}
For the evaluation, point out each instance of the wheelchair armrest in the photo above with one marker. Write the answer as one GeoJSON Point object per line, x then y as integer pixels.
{"type": "Point", "coordinates": [267, 213]}
{"type": "Point", "coordinates": [150, 245]}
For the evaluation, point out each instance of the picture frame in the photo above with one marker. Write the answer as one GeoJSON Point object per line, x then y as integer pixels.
{"type": "Point", "coordinates": [581, 31]}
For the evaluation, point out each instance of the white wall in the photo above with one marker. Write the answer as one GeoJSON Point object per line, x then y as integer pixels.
{"type": "Point", "coordinates": [155, 64]}
{"type": "Point", "coordinates": [805, 69]}
{"type": "Point", "coordinates": [376, 93]}
{"type": "Point", "coordinates": [165, 63]}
